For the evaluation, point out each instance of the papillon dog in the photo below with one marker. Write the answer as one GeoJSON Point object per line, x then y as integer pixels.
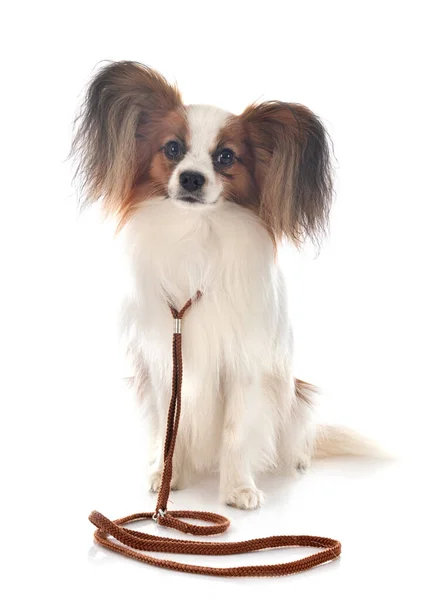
{"type": "Point", "coordinates": [202, 199]}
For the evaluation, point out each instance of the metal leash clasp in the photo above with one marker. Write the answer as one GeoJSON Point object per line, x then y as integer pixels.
{"type": "Point", "coordinates": [177, 325]}
{"type": "Point", "coordinates": [159, 513]}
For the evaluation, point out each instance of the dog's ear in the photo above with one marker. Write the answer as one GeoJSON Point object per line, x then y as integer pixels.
{"type": "Point", "coordinates": [292, 169]}
{"type": "Point", "coordinates": [124, 103]}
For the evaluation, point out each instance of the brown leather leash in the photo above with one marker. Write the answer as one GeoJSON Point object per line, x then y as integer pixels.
{"type": "Point", "coordinates": [133, 543]}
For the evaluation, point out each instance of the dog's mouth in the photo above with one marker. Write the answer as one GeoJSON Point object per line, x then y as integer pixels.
{"type": "Point", "coordinates": [190, 199]}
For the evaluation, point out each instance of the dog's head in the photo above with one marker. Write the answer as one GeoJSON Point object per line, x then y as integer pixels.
{"type": "Point", "coordinates": [137, 140]}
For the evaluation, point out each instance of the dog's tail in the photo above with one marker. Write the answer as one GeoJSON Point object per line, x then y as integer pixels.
{"type": "Point", "coordinates": [340, 441]}
{"type": "Point", "coordinates": [331, 440]}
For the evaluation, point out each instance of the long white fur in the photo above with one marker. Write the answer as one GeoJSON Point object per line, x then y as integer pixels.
{"type": "Point", "coordinates": [240, 414]}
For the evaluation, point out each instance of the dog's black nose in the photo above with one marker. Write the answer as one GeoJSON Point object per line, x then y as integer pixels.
{"type": "Point", "coordinates": [192, 181]}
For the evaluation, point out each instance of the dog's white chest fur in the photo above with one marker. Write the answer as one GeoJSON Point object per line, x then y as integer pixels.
{"type": "Point", "coordinates": [235, 332]}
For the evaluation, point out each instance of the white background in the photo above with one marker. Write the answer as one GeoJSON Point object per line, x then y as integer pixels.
{"type": "Point", "coordinates": [71, 435]}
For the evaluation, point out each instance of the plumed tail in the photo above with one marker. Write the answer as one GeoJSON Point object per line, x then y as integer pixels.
{"type": "Point", "coordinates": [341, 441]}
{"type": "Point", "coordinates": [333, 440]}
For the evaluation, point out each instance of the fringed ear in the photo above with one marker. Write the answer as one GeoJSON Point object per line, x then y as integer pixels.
{"type": "Point", "coordinates": [292, 169]}
{"type": "Point", "coordinates": [124, 103]}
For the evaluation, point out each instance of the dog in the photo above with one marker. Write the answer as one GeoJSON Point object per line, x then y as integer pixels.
{"type": "Point", "coordinates": [202, 200]}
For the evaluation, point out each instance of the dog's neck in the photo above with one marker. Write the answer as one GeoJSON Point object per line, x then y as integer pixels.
{"type": "Point", "coordinates": [183, 250]}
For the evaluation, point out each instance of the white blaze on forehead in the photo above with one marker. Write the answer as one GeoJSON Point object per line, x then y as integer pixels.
{"type": "Point", "coordinates": [204, 123]}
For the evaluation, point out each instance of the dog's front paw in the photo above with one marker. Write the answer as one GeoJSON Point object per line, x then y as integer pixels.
{"type": "Point", "coordinates": [303, 463]}
{"type": "Point", "coordinates": [155, 481]}
{"type": "Point", "coordinates": [246, 498]}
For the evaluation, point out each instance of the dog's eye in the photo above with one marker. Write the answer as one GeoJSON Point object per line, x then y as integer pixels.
{"type": "Point", "coordinates": [225, 157]}
{"type": "Point", "coordinates": [173, 150]}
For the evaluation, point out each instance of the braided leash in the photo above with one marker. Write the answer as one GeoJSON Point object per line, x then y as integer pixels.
{"type": "Point", "coordinates": [133, 543]}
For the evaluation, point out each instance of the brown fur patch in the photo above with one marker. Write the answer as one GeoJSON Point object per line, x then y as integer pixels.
{"type": "Point", "coordinates": [240, 182]}
{"type": "Point", "coordinates": [238, 179]}
{"type": "Point", "coordinates": [305, 391]}
{"type": "Point", "coordinates": [292, 168]}
{"type": "Point", "coordinates": [155, 169]}
{"type": "Point", "coordinates": [283, 170]}
{"type": "Point", "coordinates": [126, 107]}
